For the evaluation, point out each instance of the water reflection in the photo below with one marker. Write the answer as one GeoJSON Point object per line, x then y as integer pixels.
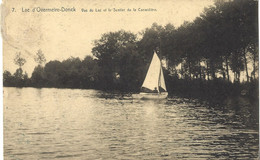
{"type": "Point", "coordinates": [90, 124]}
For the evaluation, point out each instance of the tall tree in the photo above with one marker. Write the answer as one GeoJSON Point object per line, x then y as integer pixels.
{"type": "Point", "coordinates": [19, 60]}
{"type": "Point", "coordinates": [40, 58]}
{"type": "Point", "coordinates": [109, 51]}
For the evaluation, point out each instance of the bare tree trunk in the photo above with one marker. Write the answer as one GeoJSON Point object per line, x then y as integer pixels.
{"type": "Point", "coordinates": [224, 75]}
{"type": "Point", "coordinates": [254, 63]}
{"type": "Point", "coordinates": [181, 71]}
{"type": "Point", "coordinates": [189, 70]}
{"type": "Point", "coordinates": [212, 69]}
{"type": "Point", "coordinates": [227, 68]}
{"type": "Point", "coordinates": [207, 70]}
{"type": "Point", "coordinates": [199, 70]}
{"type": "Point", "coordinates": [245, 60]}
{"type": "Point", "coordinates": [223, 70]}
{"type": "Point", "coordinates": [238, 76]}
{"type": "Point", "coordinates": [254, 67]}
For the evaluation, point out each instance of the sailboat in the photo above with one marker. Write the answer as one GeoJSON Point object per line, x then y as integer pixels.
{"type": "Point", "coordinates": [154, 84]}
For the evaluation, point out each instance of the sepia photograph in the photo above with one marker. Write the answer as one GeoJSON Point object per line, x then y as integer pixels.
{"type": "Point", "coordinates": [130, 80]}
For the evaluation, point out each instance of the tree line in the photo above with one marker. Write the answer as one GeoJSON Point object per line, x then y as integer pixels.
{"type": "Point", "coordinates": [70, 73]}
{"type": "Point", "coordinates": [219, 44]}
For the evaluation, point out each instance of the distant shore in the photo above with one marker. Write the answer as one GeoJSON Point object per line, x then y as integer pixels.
{"type": "Point", "coordinates": [213, 90]}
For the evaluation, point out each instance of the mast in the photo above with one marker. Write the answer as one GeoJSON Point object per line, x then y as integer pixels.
{"type": "Point", "coordinates": [159, 81]}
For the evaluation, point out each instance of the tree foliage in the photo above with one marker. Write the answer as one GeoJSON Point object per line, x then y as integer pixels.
{"type": "Point", "coordinates": [118, 59]}
{"type": "Point", "coordinates": [19, 60]}
{"type": "Point", "coordinates": [40, 58]}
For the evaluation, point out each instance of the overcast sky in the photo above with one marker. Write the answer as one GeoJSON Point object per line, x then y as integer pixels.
{"type": "Point", "coordinates": [62, 35]}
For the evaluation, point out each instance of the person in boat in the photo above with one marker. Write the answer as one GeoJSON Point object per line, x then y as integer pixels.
{"type": "Point", "coordinates": [155, 90]}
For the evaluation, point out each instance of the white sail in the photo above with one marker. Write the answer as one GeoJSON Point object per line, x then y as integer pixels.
{"type": "Point", "coordinates": [162, 82]}
{"type": "Point", "coordinates": [154, 77]}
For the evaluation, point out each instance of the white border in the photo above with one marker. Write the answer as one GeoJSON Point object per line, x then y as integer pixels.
{"type": "Point", "coordinates": [1, 90]}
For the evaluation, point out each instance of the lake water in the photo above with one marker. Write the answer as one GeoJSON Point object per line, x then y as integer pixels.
{"type": "Point", "coordinates": [90, 124]}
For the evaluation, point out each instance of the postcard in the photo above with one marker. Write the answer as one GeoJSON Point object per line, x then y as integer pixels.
{"type": "Point", "coordinates": [171, 79]}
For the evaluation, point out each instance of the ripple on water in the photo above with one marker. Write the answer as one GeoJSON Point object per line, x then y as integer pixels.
{"type": "Point", "coordinates": [89, 124]}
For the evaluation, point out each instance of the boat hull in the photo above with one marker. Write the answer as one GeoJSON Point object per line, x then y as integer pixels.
{"type": "Point", "coordinates": [143, 95]}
